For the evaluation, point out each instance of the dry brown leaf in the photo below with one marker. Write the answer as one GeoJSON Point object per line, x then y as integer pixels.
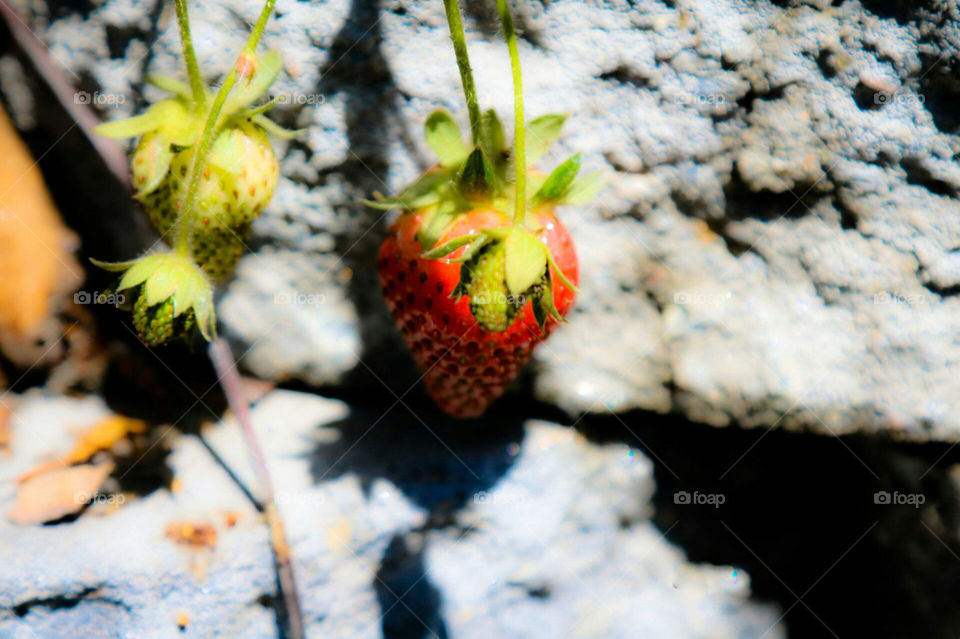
{"type": "Point", "coordinates": [61, 492]}
{"type": "Point", "coordinates": [100, 436]}
{"type": "Point", "coordinates": [103, 435]}
{"type": "Point", "coordinates": [189, 534]}
{"type": "Point", "coordinates": [34, 257]}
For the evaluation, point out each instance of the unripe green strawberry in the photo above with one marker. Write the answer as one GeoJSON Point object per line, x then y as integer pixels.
{"type": "Point", "coordinates": [487, 292]}
{"type": "Point", "coordinates": [238, 175]}
{"type": "Point", "coordinates": [237, 184]}
{"type": "Point", "coordinates": [154, 324]}
{"type": "Point", "coordinates": [172, 296]}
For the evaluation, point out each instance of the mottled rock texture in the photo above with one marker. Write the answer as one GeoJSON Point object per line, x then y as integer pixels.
{"type": "Point", "coordinates": [778, 238]}
{"type": "Point", "coordinates": [551, 538]}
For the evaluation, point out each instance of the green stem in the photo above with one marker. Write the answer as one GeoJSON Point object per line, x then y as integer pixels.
{"type": "Point", "coordinates": [182, 241]}
{"type": "Point", "coordinates": [193, 69]}
{"type": "Point", "coordinates": [519, 136]}
{"type": "Point", "coordinates": [463, 62]}
{"type": "Point", "coordinates": [259, 26]}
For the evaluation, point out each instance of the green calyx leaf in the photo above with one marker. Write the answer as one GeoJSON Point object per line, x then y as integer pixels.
{"type": "Point", "coordinates": [543, 306]}
{"type": "Point", "coordinates": [501, 270]}
{"type": "Point", "coordinates": [151, 161]}
{"type": "Point", "coordinates": [170, 276]}
{"type": "Point", "coordinates": [443, 136]}
{"type": "Point", "coordinates": [131, 127]}
{"type": "Point", "coordinates": [495, 146]}
{"type": "Point", "coordinates": [273, 128]}
{"type": "Point", "coordinates": [114, 267]}
{"type": "Point", "coordinates": [247, 92]}
{"type": "Point", "coordinates": [170, 85]}
{"type": "Point", "coordinates": [526, 260]}
{"type": "Point", "coordinates": [475, 181]}
{"type": "Point", "coordinates": [560, 274]}
{"type": "Point", "coordinates": [226, 153]}
{"type": "Point", "coordinates": [425, 191]}
{"type": "Point", "coordinates": [542, 132]}
{"type": "Point", "coordinates": [263, 108]}
{"type": "Point", "coordinates": [435, 222]}
{"type": "Point", "coordinates": [558, 184]}
{"type": "Point", "coordinates": [583, 189]}
{"type": "Point", "coordinates": [449, 247]}
{"type": "Point", "coordinates": [172, 116]}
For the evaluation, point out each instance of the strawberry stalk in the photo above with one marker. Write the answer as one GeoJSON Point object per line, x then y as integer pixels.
{"type": "Point", "coordinates": [519, 136]}
{"type": "Point", "coordinates": [219, 351]}
{"type": "Point", "coordinates": [455, 23]}
{"type": "Point", "coordinates": [226, 369]}
{"type": "Point", "coordinates": [193, 69]}
{"type": "Point", "coordinates": [245, 63]}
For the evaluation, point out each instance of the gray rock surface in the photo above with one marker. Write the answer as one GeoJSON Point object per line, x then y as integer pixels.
{"type": "Point", "coordinates": [777, 242]}
{"type": "Point", "coordinates": [554, 541]}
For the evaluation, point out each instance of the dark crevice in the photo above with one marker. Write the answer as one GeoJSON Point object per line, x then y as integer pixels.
{"type": "Point", "coordinates": [885, 159]}
{"type": "Point", "coordinates": [940, 89]}
{"type": "Point", "coordinates": [720, 226]}
{"type": "Point", "coordinates": [848, 219]}
{"type": "Point", "coordinates": [774, 93]}
{"type": "Point", "coordinates": [63, 601]}
{"type": "Point", "coordinates": [538, 592]}
{"type": "Point", "coordinates": [823, 62]}
{"type": "Point", "coordinates": [868, 98]}
{"type": "Point", "coordinates": [743, 202]}
{"type": "Point", "coordinates": [735, 246]}
{"type": "Point", "coordinates": [149, 39]}
{"type": "Point", "coordinates": [624, 74]}
{"type": "Point", "coordinates": [943, 291]}
{"type": "Point", "coordinates": [57, 9]}
{"type": "Point", "coordinates": [920, 175]}
{"type": "Point", "coordinates": [118, 38]}
{"type": "Point", "coordinates": [903, 11]}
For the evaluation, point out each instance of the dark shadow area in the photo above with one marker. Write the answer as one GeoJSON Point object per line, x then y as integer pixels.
{"type": "Point", "coordinates": [439, 463]}
{"type": "Point", "coordinates": [800, 513]}
{"type": "Point", "coordinates": [358, 71]}
{"type": "Point", "coordinates": [743, 202]}
{"type": "Point", "coordinates": [409, 603]}
{"type": "Point", "coordinates": [940, 88]}
{"type": "Point", "coordinates": [903, 11]}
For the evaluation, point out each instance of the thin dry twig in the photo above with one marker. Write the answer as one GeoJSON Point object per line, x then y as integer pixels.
{"type": "Point", "coordinates": [225, 366]}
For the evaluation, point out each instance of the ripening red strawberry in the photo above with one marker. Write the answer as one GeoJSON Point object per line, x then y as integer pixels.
{"type": "Point", "coordinates": [466, 366]}
{"type": "Point", "coordinates": [472, 291]}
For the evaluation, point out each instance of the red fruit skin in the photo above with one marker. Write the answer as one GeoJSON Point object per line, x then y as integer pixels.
{"type": "Point", "coordinates": [465, 367]}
